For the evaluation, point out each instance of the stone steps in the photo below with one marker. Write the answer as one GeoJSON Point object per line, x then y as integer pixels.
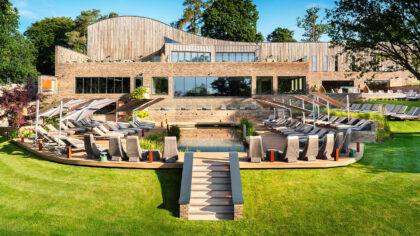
{"type": "Point", "coordinates": [211, 193]}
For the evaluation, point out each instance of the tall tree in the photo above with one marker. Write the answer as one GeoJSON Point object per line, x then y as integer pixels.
{"type": "Point", "coordinates": [16, 52]}
{"type": "Point", "coordinates": [231, 20]}
{"type": "Point", "coordinates": [77, 38]}
{"type": "Point", "coordinates": [312, 26]}
{"type": "Point", "coordinates": [388, 28]}
{"type": "Point", "coordinates": [191, 19]}
{"type": "Point", "coordinates": [45, 35]}
{"type": "Point", "coordinates": [281, 35]}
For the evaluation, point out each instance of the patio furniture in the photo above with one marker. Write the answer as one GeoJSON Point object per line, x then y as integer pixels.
{"type": "Point", "coordinates": [327, 147]}
{"type": "Point", "coordinates": [291, 150]}
{"type": "Point", "coordinates": [255, 151]}
{"type": "Point", "coordinates": [116, 150]}
{"type": "Point", "coordinates": [93, 151]}
{"type": "Point", "coordinates": [102, 135]}
{"type": "Point", "coordinates": [134, 152]}
{"type": "Point", "coordinates": [170, 150]}
{"type": "Point", "coordinates": [310, 151]}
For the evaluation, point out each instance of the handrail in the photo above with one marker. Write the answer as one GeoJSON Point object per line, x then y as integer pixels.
{"type": "Point", "coordinates": [185, 194]}
{"type": "Point", "coordinates": [235, 179]}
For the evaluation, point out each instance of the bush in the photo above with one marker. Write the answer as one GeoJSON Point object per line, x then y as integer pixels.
{"type": "Point", "coordinates": [139, 93]}
{"type": "Point", "coordinates": [152, 142]}
{"type": "Point", "coordinates": [141, 114]}
{"type": "Point", "coordinates": [174, 130]}
{"type": "Point", "coordinates": [26, 133]}
{"type": "Point", "coordinates": [250, 130]}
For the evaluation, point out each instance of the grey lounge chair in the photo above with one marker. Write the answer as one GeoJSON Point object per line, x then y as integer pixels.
{"type": "Point", "coordinates": [134, 152]}
{"type": "Point", "coordinates": [92, 150]}
{"type": "Point", "coordinates": [347, 139]}
{"type": "Point", "coordinates": [170, 150]}
{"type": "Point", "coordinates": [102, 135]}
{"type": "Point", "coordinates": [291, 151]}
{"type": "Point", "coordinates": [310, 151]}
{"type": "Point", "coordinates": [255, 151]}
{"type": "Point", "coordinates": [362, 126]}
{"type": "Point", "coordinates": [116, 150]}
{"type": "Point", "coordinates": [114, 127]}
{"type": "Point", "coordinates": [327, 147]}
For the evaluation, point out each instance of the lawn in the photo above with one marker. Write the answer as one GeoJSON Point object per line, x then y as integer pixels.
{"type": "Point", "coordinates": [415, 103]}
{"type": "Point", "coordinates": [378, 195]}
{"type": "Point", "coordinates": [404, 126]}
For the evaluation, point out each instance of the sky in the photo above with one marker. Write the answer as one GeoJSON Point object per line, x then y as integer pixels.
{"type": "Point", "coordinates": [273, 13]}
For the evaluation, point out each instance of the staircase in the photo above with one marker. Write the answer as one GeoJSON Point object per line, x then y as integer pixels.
{"type": "Point", "coordinates": [211, 192]}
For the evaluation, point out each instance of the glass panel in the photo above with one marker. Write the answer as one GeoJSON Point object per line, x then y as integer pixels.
{"type": "Point", "coordinates": [207, 56]}
{"type": "Point", "coordinates": [181, 56]}
{"type": "Point", "coordinates": [189, 86]}
{"type": "Point", "coordinates": [252, 57]}
{"type": "Point", "coordinates": [138, 82]}
{"type": "Point", "coordinates": [126, 85]}
{"type": "Point", "coordinates": [232, 57]}
{"type": "Point", "coordinates": [179, 87]}
{"type": "Point", "coordinates": [194, 57]}
{"type": "Point", "coordinates": [336, 63]}
{"type": "Point", "coordinates": [160, 85]}
{"type": "Point", "coordinates": [174, 57]}
{"type": "Point", "coordinates": [79, 85]}
{"type": "Point", "coordinates": [102, 85]}
{"type": "Point", "coordinates": [95, 85]}
{"type": "Point", "coordinates": [188, 56]}
{"type": "Point", "coordinates": [87, 85]}
{"type": "Point", "coordinates": [118, 85]}
{"type": "Point", "coordinates": [210, 89]}
{"type": "Point", "coordinates": [219, 57]}
{"type": "Point", "coordinates": [225, 57]}
{"type": "Point", "coordinates": [110, 85]}
{"type": "Point", "coordinates": [264, 85]}
{"type": "Point", "coordinates": [291, 84]}
{"type": "Point", "coordinates": [200, 86]}
{"type": "Point", "coordinates": [245, 57]}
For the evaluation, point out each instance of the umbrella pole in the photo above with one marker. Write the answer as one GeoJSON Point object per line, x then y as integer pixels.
{"type": "Point", "coordinates": [348, 107]}
{"type": "Point", "coordinates": [303, 111]}
{"type": "Point", "coordinates": [59, 123]}
{"type": "Point", "coordinates": [36, 120]}
{"type": "Point", "coordinates": [313, 111]}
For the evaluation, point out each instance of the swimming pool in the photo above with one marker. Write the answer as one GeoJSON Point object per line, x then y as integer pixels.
{"type": "Point", "coordinates": [210, 139]}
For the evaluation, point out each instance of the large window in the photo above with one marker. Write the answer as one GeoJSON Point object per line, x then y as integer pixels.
{"type": "Point", "coordinates": [160, 85]}
{"type": "Point", "coordinates": [336, 85]}
{"type": "Point", "coordinates": [190, 57]}
{"type": "Point", "coordinates": [235, 57]}
{"type": "Point", "coordinates": [102, 85]}
{"type": "Point", "coordinates": [264, 85]}
{"type": "Point", "coordinates": [138, 82]}
{"type": "Point", "coordinates": [292, 84]}
{"type": "Point", "coordinates": [212, 86]}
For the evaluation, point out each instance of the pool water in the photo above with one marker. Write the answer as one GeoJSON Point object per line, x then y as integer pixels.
{"type": "Point", "coordinates": [210, 140]}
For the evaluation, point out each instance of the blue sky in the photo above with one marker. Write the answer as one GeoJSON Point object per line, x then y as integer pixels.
{"type": "Point", "coordinates": [273, 13]}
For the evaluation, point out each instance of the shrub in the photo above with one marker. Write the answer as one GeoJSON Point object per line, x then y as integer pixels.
{"type": "Point", "coordinates": [139, 93]}
{"type": "Point", "coordinates": [152, 142]}
{"type": "Point", "coordinates": [141, 114]}
{"type": "Point", "coordinates": [14, 102]}
{"type": "Point", "coordinates": [174, 130]}
{"type": "Point", "coordinates": [250, 130]}
{"type": "Point", "coordinates": [25, 133]}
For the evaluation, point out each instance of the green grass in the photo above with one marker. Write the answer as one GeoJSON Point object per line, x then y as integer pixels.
{"type": "Point", "coordinates": [404, 126]}
{"type": "Point", "coordinates": [379, 195]}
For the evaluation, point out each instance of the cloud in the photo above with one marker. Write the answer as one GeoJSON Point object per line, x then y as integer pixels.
{"type": "Point", "coordinates": [28, 14]}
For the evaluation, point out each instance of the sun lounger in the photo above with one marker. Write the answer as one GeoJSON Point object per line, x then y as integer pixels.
{"type": "Point", "coordinates": [362, 125]}
{"type": "Point", "coordinates": [170, 150]}
{"type": "Point", "coordinates": [310, 151]}
{"type": "Point", "coordinates": [402, 110]}
{"type": "Point", "coordinates": [92, 150]}
{"type": "Point", "coordinates": [367, 107]}
{"type": "Point", "coordinates": [346, 143]}
{"type": "Point", "coordinates": [114, 127]}
{"type": "Point", "coordinates": [411, 114]}
{"type": "Point", "coordinates": [291, 151]}
{"type": "Point", "coordinates": [101, 135]}
{"type": "Point", "coordinates": [116, 150]}
{"type": "Point", "coordinates": [255, 151]}
{"type": "Point", "coordinates": [327, 147]}
{"type": "Point", "coordinates": [133, 149]}
{"type": "Point", "coordinates": [337, 122]}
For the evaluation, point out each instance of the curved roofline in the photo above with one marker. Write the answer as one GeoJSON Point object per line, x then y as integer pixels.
{"type": "Point", "coordinates": [145, 17]}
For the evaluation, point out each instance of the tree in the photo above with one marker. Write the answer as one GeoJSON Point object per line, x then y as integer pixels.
{"type": "Point", "coordinates": [231, 20]}
{"type": "Point", "coordinates": [313, 29]}
{"type": "Point", "coordinates": [13, 102]}
{"type": "Point", "coordinates": [192, 17]}
{"type": "Point", "coordinates": [16, 52]}
{"type": "Point", "coordinates": [281, 35]}
{"type": "Point", "coordinates": [77, 38]}
{"type": "Point", "coordinates": [45, 35]}
{"type": "Point", "coordinates": [387, 28]}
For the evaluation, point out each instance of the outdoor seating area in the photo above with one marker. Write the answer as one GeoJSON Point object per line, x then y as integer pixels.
{"type": "Point", "coordinates": [393, 111]}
